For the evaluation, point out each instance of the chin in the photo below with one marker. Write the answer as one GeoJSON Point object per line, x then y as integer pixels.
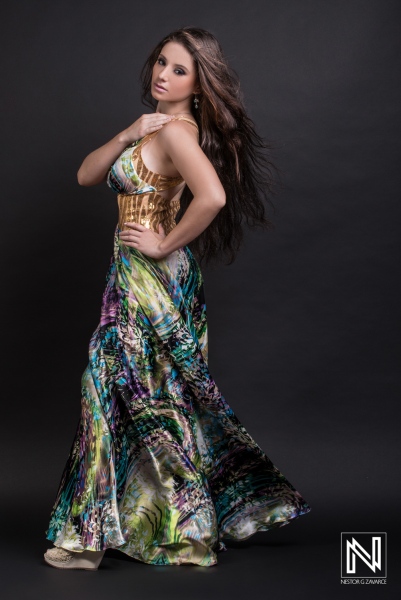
{"type": "Point", "coordinates": [156, 95]}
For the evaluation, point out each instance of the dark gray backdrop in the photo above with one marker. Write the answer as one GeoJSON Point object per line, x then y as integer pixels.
{"type": "Point", "coordinates": [303, 327]}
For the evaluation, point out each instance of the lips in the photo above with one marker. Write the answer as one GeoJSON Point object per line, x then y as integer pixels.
{"type": "Point", "coordinates": [159, 87]}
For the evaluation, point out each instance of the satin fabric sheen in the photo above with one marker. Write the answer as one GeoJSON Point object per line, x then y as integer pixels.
{"type": "Point", "coordinates": [160, 467]}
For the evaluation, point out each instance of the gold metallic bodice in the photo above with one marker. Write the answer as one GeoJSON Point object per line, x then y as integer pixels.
{"type": "Point", "coordinates": [150, 208]}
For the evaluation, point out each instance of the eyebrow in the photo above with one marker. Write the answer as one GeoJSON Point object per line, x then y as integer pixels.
{"type": "Point", "coordinates": [162, 55]}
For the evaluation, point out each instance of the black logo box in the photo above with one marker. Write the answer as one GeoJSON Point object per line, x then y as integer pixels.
{"type": "Point", "coordinates": [363, 546]}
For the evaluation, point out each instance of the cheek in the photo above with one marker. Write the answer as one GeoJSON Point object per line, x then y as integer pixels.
{"type": "Point", "coordinates": [183, 84]}
{"type": "Point", "coordinates": [156, 70]}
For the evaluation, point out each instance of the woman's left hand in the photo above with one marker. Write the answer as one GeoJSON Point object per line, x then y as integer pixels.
{"type": "Point", "coordinates": [143, 239]}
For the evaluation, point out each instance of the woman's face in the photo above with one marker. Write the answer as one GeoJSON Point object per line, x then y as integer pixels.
{"type": "Point", "coordinates": [174, 70]}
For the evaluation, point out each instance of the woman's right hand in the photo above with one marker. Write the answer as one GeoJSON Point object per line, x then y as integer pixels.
{"type": "Point", "coordinates": [146, 123]}
{"type": "Point", "coordinates": [96, 165]}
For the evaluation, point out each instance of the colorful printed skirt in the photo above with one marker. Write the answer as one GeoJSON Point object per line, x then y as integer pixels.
{"type": "Point", "coordinates": [160, 467]}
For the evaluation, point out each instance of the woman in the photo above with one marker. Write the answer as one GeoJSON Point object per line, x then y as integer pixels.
{"type": "Point", "coordinates": [160, 467]}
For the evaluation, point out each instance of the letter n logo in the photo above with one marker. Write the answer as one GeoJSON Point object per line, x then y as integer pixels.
{"type": "Point", "coordinates": [363, 554]}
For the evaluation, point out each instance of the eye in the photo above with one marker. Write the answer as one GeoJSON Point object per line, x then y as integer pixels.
{"type": "Point", "coordinates": [178, 71]}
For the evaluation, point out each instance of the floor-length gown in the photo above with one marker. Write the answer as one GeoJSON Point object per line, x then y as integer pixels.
{"type": "Point", "coordinates": [160, 467]}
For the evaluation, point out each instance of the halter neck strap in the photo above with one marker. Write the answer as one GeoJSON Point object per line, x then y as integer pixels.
{"type": "Point", "coordinates": [182, 118]}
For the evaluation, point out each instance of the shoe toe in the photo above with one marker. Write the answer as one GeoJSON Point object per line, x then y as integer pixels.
{"type": "Point", "coordinates": [66, 559]}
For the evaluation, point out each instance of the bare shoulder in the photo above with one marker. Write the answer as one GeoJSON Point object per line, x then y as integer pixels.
{"type": "Point", "coordinates": [178, 131]}
{"type": "Point", "coordinates": [180, 143]}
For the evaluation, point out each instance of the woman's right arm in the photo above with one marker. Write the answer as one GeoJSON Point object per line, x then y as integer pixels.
{"type": "Point", "coordinates": [96, 165]}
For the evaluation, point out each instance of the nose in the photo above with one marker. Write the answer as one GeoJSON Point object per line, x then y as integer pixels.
{"type": "Point", "coordinates": [163, 73]}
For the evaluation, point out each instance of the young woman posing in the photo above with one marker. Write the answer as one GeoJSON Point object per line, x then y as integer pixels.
{"type": "Point", "coordinates": [160, 467]}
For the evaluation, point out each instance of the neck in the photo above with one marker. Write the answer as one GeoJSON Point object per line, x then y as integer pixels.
{"type": "Point", "coordinates": [172, 108]}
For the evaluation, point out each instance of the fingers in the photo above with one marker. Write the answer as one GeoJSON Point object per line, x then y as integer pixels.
{"type": "Point", "coordinates": [155, 115]}
{"type": "Point", "coordinates": [131, 236]}
{"type": "Point", "coordinates": [159, 118]}
{"type": "Point", "coordinates": [159, 124]}
{"type": "Point", "coordinates": [131, 244]}
{"type": "Point", "coordinates": [127, 235]}
{"type": "Point", "coordinates": [137, 226]}
{"type": "Point", "coordinates": [154, 121]}
{"type": "Point", "coordinates": [158, 115]}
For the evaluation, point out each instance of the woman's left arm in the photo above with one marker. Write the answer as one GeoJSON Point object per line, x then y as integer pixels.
{"type": "Point", "coordinates": [180, 143]}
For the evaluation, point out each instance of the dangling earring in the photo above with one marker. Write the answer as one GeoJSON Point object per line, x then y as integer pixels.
{"type": "Point", "coordinates": [196, 102]}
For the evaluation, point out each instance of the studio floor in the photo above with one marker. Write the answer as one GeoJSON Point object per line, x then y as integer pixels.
{"type": "Point", "coordinates": [300, 560]}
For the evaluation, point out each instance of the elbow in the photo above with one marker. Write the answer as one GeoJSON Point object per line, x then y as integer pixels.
{"type": "Point", "coordinates": [87, 181]}
{"type": "Point", "coordinates": [220, 200]}
{"type": "Point", "coordinates": [81, 179]}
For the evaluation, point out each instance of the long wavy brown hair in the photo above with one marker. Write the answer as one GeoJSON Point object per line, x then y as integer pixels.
{"type": "Point", "coordinates": [241, 158]}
